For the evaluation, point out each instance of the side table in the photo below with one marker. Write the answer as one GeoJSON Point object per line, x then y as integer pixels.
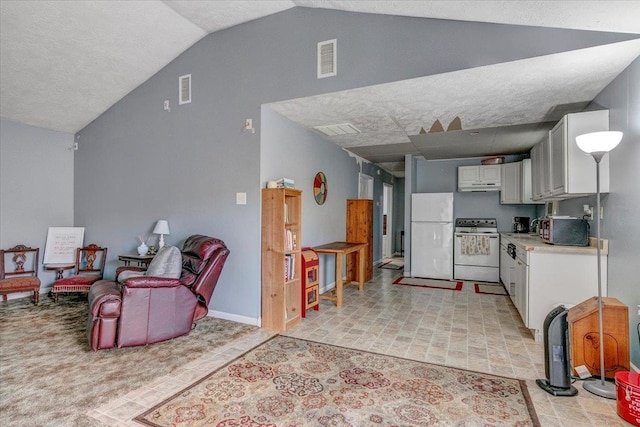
{"type": "Point", "coordinates": [141, 260]}
{"type": "Point", "coordinates": [59, 268]}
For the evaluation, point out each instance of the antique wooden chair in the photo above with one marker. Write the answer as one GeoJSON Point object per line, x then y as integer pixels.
{"type": "Point", "coordinates": [24, 277]}
{"type": "Point", "coordinates": [89, 268]}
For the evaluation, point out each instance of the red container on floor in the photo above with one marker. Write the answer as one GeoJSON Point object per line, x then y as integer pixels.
{"type": "Point", "coordinates": [628, 396]}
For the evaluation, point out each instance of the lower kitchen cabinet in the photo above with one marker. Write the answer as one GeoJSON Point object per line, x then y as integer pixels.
{"type": "Point", "coordinates": [544, 276]}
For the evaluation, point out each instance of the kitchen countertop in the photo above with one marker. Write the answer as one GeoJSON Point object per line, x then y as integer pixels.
{"type": "Point", "coordinates": [532, 242]}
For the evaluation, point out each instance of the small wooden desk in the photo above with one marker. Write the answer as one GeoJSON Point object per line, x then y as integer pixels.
{"type": "Point", "coordinates": [142, 260]}
{"type": "Point", "coordinates": [340, 249]}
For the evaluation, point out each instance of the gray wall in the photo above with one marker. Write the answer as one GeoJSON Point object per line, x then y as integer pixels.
{"type": "Point", "coordinates": [138, 163]}
{"type": "Point", "coordinates": [36, 183]}
{"type": "Point", "coordinates": [301, 161]}
{"type": "Point", "coordinates": [622, 204]}
{"type": "Point", "coordinates": [441, 176]}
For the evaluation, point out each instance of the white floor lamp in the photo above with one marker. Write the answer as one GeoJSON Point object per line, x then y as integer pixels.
{"type": "Point", "coordinates": [598, 144]}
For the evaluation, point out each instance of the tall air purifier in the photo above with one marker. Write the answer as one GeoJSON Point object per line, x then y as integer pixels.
{"type": "Point", "coordinates": [556, 355]}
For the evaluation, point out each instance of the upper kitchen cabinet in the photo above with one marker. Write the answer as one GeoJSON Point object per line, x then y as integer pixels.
{"type": "Point", "coordinates": [573, 172]}
{"type": "Point", "coordinates": [511, 189]}
{"type": "Point", "coordinates": [540, 170]}
{"type": "Point", "coordinates": [516, 183]}
{"type": "Point", "coordinates": [479, 178]}
{"type": "Point", "coordinates": [560, 170]}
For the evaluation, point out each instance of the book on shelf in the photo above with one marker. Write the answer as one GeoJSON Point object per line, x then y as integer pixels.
{"type": "Point", "coordinates": [290, 240]}
{"type": "Point", "coordinates": [289, 267]}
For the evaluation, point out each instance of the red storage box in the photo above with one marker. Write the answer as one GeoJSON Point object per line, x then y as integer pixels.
{"type": "Point", "coordinates": [628, 396]}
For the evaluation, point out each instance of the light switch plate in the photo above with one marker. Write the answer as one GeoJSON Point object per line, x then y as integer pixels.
{"type": "Point", "coordinates": [241, 198]}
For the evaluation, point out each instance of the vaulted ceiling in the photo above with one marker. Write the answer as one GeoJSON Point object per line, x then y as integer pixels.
{"type": "Point", "coordinates": [63, 63]}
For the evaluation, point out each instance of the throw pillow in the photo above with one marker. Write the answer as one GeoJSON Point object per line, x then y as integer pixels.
{"type": "Point", "coordinates": [167, 263]}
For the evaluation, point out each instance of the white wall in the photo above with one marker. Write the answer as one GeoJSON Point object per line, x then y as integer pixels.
{"type": "Point", "coordinates": [36, 186]}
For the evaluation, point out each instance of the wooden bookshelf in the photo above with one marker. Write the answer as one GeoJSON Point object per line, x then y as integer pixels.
{"type": "Point", "coordinates": [281, 264]}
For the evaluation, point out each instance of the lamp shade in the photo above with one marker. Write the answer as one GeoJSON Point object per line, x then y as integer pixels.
{"type": "Point", "coordinates": [162, 227]}
{"type": "Point", "coordinates": [599, 142]}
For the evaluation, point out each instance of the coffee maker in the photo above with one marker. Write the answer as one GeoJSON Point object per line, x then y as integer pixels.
{"type": "Point", "coordinates": [520, 224]}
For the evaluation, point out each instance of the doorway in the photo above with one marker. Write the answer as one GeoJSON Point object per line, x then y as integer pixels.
{"type": "Point", "coordinates": [387, 220]}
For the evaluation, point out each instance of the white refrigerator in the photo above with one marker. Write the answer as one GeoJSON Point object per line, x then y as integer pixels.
{"type": "Point", "coordinates": [432, 235]}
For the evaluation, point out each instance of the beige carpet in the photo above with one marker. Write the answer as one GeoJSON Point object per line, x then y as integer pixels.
{"type": "Point", "coordinates": [454, 285]}
{"type": "Point", "coordinates": [50, 377]}
{"type": "Point", "coordinates": [288, 381]}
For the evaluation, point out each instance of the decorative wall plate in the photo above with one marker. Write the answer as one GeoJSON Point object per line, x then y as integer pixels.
{"type": "Point", "coordinates": [320, 188]}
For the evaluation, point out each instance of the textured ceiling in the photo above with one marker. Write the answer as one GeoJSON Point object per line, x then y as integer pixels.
{"type": "Point", "coordinates": [527, 91]}
{"type": "Point", "coordinates": [63, 63]}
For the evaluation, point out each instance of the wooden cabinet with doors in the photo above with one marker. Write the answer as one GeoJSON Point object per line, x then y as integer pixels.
{"type": "Point", "coordinates": [281, 263]}
{"type": "Point", "coordinates": [360, 230]}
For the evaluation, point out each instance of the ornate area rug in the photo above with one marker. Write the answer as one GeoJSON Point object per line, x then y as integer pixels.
{"type": "Point", "coordinates": [288, 382]}
{"type": "Point", "coordinates": [490, 288]}
{"type": "Point", "coordinates": [50, 377]}
{"type": "Point", "coordinates": [392, 264]}
{"type": "Point", "coordinates": [429, 283]}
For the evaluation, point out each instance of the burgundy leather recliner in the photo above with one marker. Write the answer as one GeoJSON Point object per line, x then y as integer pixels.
{"type": "Point", "coordinates": [145, 310]}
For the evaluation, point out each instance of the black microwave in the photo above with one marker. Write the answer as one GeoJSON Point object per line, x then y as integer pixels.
{"type": "Point", "coordinates": [565, 231]}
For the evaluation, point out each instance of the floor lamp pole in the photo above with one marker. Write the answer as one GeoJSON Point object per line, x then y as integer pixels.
{"type": "Point", "coordinates": [600, 388]}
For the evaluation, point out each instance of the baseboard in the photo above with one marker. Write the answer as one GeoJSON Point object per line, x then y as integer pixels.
{"type": "Point", "coordinates": [253, 321]}
{"type": "Point", "coordinates": [329, 286]}
{"type": "Point", "coordinates": [634, 368]}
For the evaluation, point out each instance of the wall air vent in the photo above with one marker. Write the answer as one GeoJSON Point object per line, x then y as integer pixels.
{"type": "Point", "coordinates": [184, 84]}
{"type": "Point", "coordinates": [337, 130]}
{"type": "Point", "coordinates": [327, 58]}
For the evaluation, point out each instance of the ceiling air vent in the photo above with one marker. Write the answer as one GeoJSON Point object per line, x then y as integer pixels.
{"type": "Point", "coordinates": [336, 130]}
{"type": "Point", "coordinates": [185, 89]}
{"type": "Point", "coordinates": [327, 58]}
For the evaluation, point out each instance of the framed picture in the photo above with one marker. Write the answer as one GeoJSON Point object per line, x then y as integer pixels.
{"type": "Point", "coordinates": [62, 243]}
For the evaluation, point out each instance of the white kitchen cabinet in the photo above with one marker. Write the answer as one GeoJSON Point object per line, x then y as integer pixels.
{"type": "Point", "coordinates": [540, 170]}
{"type": "Point", "coordinates": [511, 188]}
{"type": "Point", "coordinates": [527, 183]}
{"type": "Point", "coordinates": [573, 173]}
{"type": "Point", "coordinates": [544, 279]}
{"type": "Point", "coordinates": [507, 267]}
{"type": "Point", "coordinates": [536, 168]}
{"type": "Point", "coordinates": [479, 178]}
{"type": "Point", "coordinates": [521, 285]}
{"type": "Point", "coordinates": [517, 185]}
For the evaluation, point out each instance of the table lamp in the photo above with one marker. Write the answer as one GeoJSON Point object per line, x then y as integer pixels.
{"type": "Point", "coordinates": [597, 144]}
{"type": "Point", "coordinates": [161, 228]}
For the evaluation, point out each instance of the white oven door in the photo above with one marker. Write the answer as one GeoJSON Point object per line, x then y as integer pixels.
{"type": "Point", "coordinates": [487, 254]}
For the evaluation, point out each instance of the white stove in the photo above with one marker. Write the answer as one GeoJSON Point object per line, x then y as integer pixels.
{"type": "Point", "coordinates": [476, 250]}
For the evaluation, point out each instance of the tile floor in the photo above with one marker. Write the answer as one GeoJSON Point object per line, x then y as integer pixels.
{"type": "Point", "coordinates": [454, 328]}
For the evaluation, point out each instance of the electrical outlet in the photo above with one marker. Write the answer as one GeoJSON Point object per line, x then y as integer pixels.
{"type": "Point", "coordinates": [166, 105]}
{"type": "Point", "coordinates": [638, 309]}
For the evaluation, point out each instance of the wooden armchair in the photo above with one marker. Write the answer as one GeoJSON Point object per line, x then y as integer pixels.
{"type": "Point", "coordinates": [89, 268]}
{"type": "Point", "coordinates": [24, 276]}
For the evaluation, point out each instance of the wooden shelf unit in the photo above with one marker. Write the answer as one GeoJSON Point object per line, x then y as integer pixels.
{"type": "Point", "coordinates": [281, 242]}
{"type": "Point", "coordinates": [360, 230]}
